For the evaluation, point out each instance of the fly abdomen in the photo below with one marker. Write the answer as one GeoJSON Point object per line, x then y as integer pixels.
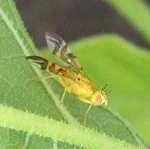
{"type": "Point", "coordinates": [39, 62]}
{"type": "Point", "coordinates": [44, 64]}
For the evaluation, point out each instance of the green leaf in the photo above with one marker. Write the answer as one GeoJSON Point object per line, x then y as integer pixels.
{"type": "Point", "coordinates": [51, 128]}
{"type": "Point", "coordinates": [26, 102]}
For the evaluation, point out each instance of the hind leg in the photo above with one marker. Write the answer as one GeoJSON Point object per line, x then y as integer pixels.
{"type": "Point", "coordinates": [48, 77]}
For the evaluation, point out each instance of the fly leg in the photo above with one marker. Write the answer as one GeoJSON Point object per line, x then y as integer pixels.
{"type": "Point", "coordinates": [85, 101]}
{"type": "Point", "coordinates": [63, 83]}
{"type": "Point", "coordinates": [48, 77]}
{"type": "Point", "coordinates": [61, 101]}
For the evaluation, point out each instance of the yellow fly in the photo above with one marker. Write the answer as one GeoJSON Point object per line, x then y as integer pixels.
{"type": "Point", "coordinates": [75, 83]}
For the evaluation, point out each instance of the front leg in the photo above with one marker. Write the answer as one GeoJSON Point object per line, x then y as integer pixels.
{"type": "Point", "coordinates": [81, 98]}
{"type": "Point", "coordinates": [85, 101]}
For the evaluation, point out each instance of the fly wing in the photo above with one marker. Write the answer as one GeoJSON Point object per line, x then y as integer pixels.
{"type": "Point", "coordinates": [61, 53]}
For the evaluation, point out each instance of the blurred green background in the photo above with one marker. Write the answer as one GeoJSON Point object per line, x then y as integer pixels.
{"type": "Point", "coordinates": [74, 19]}
{"type": "Point", "coordinates": [124, 60]}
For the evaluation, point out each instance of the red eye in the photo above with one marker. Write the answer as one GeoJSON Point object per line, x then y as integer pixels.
{"type": "Point", "coordinates": [98, 99]}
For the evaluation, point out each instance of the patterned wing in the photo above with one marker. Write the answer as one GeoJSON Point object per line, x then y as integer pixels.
{"type": "Point", "coordinates": [61, 53]}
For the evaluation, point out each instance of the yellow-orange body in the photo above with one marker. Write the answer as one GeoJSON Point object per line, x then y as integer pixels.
{"type": "Point", "coordinates": [79, 86]}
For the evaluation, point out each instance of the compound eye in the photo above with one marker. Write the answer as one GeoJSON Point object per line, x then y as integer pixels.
{"type": "Point", "coordinates": [98, 99]}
